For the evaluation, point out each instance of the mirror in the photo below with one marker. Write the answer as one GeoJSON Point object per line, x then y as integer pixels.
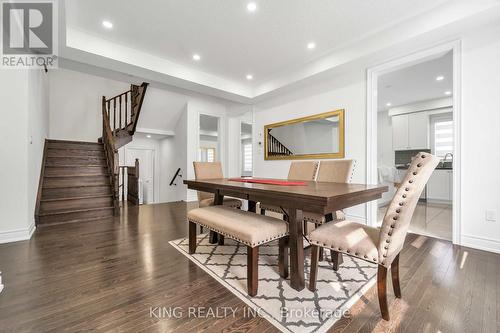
{"type": "Point", "coordinates": [313, 137]}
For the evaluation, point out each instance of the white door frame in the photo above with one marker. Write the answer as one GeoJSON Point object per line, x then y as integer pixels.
{"type": "Point", "coordinates": [371, 123]}
{"type": "Point", "coordinates": [221, 139]}
{"type": "Point", "coordinates": [153, 157]}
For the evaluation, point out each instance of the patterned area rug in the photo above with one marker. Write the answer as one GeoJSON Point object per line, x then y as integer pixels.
{"type": "Point", "coordinates": [286, 308]}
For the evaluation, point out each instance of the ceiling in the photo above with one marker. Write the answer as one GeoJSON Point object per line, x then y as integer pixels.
{"type": "Point", "coordinates": [233, 42]}
{"type": "Point", "coordinates": [156, 39]}
{"type": "Point", "coordinates": [416, 83]}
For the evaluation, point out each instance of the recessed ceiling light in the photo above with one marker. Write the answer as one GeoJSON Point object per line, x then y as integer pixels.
{"type": "Point", "coordinates": [311, 46]}
{"type": "Point", "coordinates": [252, 7]}
{"type": "Point", "coordinates": [389, 104]}
{"type": "Point", "coordinates": [447, 92]}
{"type": "Point", "coordinates": [107, 24]}
{"type": "Point", "coordinates": [249, 76]}
{"type": "Point", "coordinates": [439, 78]}
{"type": "Point", "coordinates": [148, 136]}
{"type": "Point", "coordinates": [196, 57]}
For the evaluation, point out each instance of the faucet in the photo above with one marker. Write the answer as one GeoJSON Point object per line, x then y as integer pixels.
{"type": "Point", "coordinates": [446, 157]}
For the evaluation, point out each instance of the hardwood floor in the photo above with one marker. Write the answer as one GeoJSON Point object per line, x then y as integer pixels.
{"type": "Point", "coordinates": [106, 275]}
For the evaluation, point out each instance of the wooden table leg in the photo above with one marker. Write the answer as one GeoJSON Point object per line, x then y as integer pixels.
{"type": "Point", "coordinates": [252, 206]}
{"type": "Point", "coordinates": [214, 237]}
{"type": "Point", "coordinates": [296, 249]}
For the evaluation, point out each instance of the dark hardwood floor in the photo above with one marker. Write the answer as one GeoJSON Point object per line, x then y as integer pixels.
{"type": "Point", "coordinates": [106, 276]}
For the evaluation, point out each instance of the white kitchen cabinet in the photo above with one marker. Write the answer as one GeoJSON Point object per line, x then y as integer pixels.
{"type": "Point", "coordinates": [410, 131]}
{"type": "Point", "coordinates": [440, 186]}
{"type": "Point", "coordinates": [400, 132]}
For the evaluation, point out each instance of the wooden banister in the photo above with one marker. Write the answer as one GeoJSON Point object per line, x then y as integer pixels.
{"type": "Point", "coordinates": [276, 148]}
{"type": "Point", "coordinates": [111, 155]}
{"type": "Point", "coordinates": [118, 126]}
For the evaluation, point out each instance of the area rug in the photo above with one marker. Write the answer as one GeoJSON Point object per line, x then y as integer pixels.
{"type": "Point", "coordinates": [286, 308]}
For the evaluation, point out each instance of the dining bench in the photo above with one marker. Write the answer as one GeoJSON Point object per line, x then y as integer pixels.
{"type": "Point", "coordinates": [244, 227]}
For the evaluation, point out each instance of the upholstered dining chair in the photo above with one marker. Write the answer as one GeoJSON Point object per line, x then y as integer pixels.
{"type": "Point", "coordinates": [380, 246]}
{"type": "Point", "coordinates": [334, 171]}
{"type": "Point", "coordinates": [304, 171]}
{"type": "Point", "coordinates": [212, 170]}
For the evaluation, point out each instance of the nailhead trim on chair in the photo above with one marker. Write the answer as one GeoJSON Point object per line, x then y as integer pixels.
{"type": "Point", "coordinates": [339, 249]}
{"type": "Point", "coordinates": [235, 238]}
{"type": "Point", "coordinates": [398, 211]}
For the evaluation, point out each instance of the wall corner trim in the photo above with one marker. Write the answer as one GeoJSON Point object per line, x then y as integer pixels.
{"type": "Point", "coordinates": [17, 235]}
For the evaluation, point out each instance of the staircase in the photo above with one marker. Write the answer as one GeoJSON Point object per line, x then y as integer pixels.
{"type": "Point", "coordinates": [79, 180]}
{"type": "Point", "coordinates": [75, 184]}
{"type": "Point", "coordinates": [276, 148]}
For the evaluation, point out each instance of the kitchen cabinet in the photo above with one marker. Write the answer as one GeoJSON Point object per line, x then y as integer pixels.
{"type": "Point", "coordinates": [440, 186]}
{"type": "Point", "coordinates": [410, 131]}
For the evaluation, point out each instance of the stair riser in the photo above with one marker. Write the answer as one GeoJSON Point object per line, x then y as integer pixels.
{"type": "Point", "coordinates": [76, 181]}
{"type": "Point", "coordinates": [74, 152]}
{"type": "Point", "coordinates": [47, 207]}
{"type": "Point", "coordinates": [72, 192]}
{"type": "Point", "coordinates": [75, 171]}
{"type": "Point", "coordinates": [77, 161]}
{"type": "Point", "coordinates": [83, 146]}
{"type": "Point", "coordinates": [75, 216]}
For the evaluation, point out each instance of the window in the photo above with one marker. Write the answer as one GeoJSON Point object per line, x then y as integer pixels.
{"type": "Point", "coordinates": [206, 154]}
{"type": "Point", "coordinates": [442, 135]}
{"type": "Point", "coordinates": [247, 157]}
{"type": "Point", "coordinates": [210, 155]}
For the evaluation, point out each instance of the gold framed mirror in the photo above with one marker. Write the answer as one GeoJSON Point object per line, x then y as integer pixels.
{"type": "Point", "coordinates": [314, 137]}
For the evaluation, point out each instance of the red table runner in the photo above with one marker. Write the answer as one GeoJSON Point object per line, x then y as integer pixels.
{"type": "Point", "coordinates": [268, 181]}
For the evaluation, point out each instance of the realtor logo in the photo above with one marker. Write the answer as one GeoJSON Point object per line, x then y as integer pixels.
{"type": "Point", "coordinates": [29, 38]}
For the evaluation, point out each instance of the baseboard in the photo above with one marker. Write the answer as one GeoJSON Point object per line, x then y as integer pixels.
{"type": "Point", "coordinates": [481, 243]}
{"type": "Point", "coordinates": [17, 235]}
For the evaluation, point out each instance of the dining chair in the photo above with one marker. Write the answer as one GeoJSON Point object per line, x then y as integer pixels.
{"type": "Point", "coordinates": [302, 171]}
{"type": "Point", "coordinates": [334, 171]}
{"type": "Point", "coordinates": [379, 246]}
{"type": "Point", "coordinates": [212, 170]}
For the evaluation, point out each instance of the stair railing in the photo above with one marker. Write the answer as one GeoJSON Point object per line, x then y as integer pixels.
{"type": "Point", "coordinates": [123, 110]}
{"type": "Point", "coordinates": [276, 148]}
{"type": "Point", "coordinates": [131, 173]}
{"type": "Point", "coordinates": [120, 114]}
{"type": "Point", "coordinates": [108, 140]}
{"type": "Point", "coordinates": [177, 174]}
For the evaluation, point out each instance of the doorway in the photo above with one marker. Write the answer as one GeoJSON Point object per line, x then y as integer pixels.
{"type": "Point", "coordinates": [413, 105]}
{"type": "Point", "coordinates": [146, 171]}
{"type": "Point", "coordinates": [209, 139]}
{"type": "Point", "coordinates": [246, 149]}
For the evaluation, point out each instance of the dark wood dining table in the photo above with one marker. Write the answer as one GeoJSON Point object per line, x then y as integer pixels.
{"type": "Point", "coordinates": [317, 197]}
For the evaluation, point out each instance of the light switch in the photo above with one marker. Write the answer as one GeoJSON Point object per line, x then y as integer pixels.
{"type": "Point", "coordinates": [491, 215]}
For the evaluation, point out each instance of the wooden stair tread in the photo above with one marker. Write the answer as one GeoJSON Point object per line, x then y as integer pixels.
{"type": "Point", "coordinates": [76, 186]}
{"type": "Point", "coordinates": [80, 156]}
{"type": "Point", "coordinates": [78, 198]}
{"type": "Point", "coordinates": [77, 166]}
{"type": "Point", "coordinates": [67, 211]}
{"type": "Point", "coordinates": [77, 176]}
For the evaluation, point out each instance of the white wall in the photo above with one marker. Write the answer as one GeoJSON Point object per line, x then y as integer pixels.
{"type": "Point", "coordinates": [23, 130]}
{"type": "Point", "coordinates": [347, 92]}
{"type": "Point", "coordinates": [481, 137]}
{"type": "Point", "coordinates": [480, 134]}
{"type": "Point", "coordinates": [75, 104]}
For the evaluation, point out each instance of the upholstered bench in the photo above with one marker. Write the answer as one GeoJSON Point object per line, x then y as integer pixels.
{"type": "Point", "coordinates": [247, 228]}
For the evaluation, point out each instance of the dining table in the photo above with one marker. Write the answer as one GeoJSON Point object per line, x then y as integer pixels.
{"type": "Point", "coordinates": [310, 196]}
